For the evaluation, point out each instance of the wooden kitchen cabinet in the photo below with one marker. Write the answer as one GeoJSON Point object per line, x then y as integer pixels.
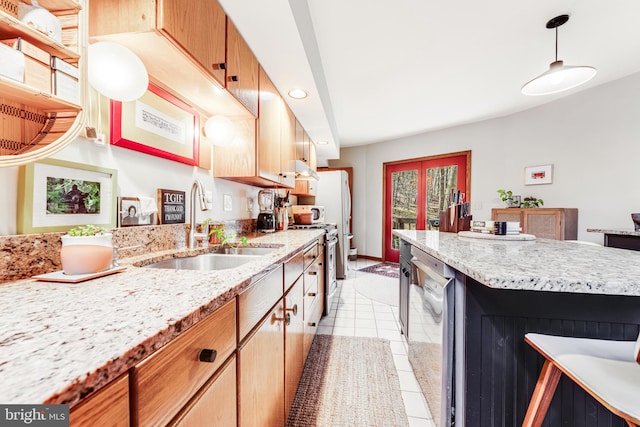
{"type": "Point", "coordinates": [293, 343]}
{"type": "Point", "coordinates": [199, 26]}
{"type": "Point", "coordinates": [261, 373]}
{"type": "Point", "coordinates": [287, 146]}
{"type": "Point", "coordinates": [182, 45]}
{"type": "Point", "coordinates": [215, 404]}
{"type": "Point", "coordinates": [547, 223]}
{"type": "Point", "coordinates": [270, 111]}
{"type": "Point", "coordinates": [242, 70]}
{"type": "Point", "coordinates": [305, 187]}
{"type": "Point", "coordinates": [107, 407]}
{"type": "Point", "coordinates": [160, 384]}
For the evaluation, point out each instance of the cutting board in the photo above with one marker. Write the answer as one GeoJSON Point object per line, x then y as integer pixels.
{"type": "Point", "coordinates": [487, 236]}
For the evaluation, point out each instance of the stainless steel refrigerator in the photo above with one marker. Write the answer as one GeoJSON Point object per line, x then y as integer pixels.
{"type": "Point", "coordinates": [333, 193]}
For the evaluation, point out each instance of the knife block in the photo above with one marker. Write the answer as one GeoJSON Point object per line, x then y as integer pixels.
{"type": "Point", "coordinates": [451, 222]}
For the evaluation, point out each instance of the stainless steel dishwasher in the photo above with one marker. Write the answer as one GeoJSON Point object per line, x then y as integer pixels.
{"type": "Point", "coordinates": [430, 333]}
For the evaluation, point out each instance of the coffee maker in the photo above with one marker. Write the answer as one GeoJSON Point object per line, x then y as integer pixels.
{"type": "Point", "coordinates": [266, 217]}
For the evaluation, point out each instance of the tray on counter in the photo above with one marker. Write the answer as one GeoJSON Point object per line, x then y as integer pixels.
{"type": "Point", "coordinates": [489, 236]}
{"type": "Point", "coordinates": [59, 276]}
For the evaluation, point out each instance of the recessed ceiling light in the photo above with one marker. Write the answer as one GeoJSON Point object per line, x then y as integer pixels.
{"type": "Point", "coordinates": [323, 142]}
{"type": "Point", "coordinates": [298, 93]}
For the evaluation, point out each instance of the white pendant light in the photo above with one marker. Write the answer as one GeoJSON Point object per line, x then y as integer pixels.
{"type": "Point", "coordinates": [116, 72]}
{"type": "Point", "coordinates": [559, 77]}
{"type": "Point", "coordinates": [220, 130]}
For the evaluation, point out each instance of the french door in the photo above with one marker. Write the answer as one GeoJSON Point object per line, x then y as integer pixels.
{"type": "Point", "coordinates": [417, 190]}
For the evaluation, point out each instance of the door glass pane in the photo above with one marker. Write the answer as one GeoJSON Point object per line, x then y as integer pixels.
{"type": "Point", "coordinates": [404, 193]}
{"type": "Point", "coordinates": [440, 182]}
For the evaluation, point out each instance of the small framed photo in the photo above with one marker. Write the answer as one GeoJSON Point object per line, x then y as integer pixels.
{"type": "Point", "coordinates": [130, 213]}
{"type": "Point", "coordinates": [534, 175]}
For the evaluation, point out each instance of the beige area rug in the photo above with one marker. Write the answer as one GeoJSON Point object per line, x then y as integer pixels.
{"type": "Point", "coordinates": [348, 381]}
{"type": "Point", "coordinates": [426, 361]}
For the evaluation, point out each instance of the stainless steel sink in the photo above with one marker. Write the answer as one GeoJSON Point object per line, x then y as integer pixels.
{"type": "Point", "coordinates": [207, 262]}
{"type": "Point", "coordinates": [246, 250]}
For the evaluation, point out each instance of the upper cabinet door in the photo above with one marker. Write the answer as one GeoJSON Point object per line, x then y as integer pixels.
{"type": "Point", "coordinates": [242, 70]}
{"type": "Point", "coordinates": [269, 129]}
{"type": "Point", "coordinates": [199, 27]}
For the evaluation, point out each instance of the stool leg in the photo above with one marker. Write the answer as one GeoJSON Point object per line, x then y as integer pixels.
{"type": "Point", "coordinates": [542, 395]}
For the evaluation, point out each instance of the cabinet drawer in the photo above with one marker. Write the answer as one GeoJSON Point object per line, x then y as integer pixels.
{"type": "Point", "coordinates": [311, 321]}
{"type": "Point", "coordinates": [165, 381]}
{"type": "Point", "coordinates": [256, 301]}
{"type": "Point", "coordinates": [310, 296]}
{"type": "Point", "coordinates": [292, 270]}
{"type": "Point", "coordinates": [312, 277]}
{"type": "Point", "coordinates": [109, 406]}
{"type": "Point", "coordinates": [310, 255]}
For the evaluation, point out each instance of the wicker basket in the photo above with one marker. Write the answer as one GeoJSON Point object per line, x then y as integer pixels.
{"type": "Point", "coordinates": [9, 7]}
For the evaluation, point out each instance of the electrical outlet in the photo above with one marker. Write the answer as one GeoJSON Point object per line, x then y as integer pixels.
{"type": "Point", "coordinates": [227, 203]}
{"type": "Point", "coordinates": [208, 195]}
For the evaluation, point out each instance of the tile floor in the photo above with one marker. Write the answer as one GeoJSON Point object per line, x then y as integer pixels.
{"type": "Point", "coordinates": [354, 314]}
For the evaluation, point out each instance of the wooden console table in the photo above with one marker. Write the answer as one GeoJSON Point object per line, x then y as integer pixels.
{"type": "Point", "coordinates": [547, 223]}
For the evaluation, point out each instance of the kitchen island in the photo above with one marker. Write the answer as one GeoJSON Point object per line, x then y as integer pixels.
{"type": "Point", "coordinates": [504, 289]}
{"type": "Point", "coordinates": [60, 342]}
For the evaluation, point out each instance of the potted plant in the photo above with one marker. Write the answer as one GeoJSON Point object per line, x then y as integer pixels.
{"type": "Point", "coordinates": [532, 202]}
{"type": "Point", "coordinates": [508, 197]}
{"type": "Point", "coordinates": [230, 242]}
{"type": "Point", "coordinates": [86, 249]}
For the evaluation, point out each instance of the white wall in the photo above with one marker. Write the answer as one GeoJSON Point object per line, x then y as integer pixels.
{"type": "Point", "coordinates": [138, 175]}
{"type": "Point", "coordinates": [592, 139]}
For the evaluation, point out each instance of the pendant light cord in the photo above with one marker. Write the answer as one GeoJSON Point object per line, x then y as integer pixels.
{"type": "Point", "coordinates": [556, 44]}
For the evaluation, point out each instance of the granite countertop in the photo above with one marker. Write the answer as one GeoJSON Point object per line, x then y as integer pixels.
{"type": "Point", "coordinates": [620, 232]}
{"type": "Point", "coordinates": [538, 265]}
{"type": "Point", "coordinates": [61, 341]}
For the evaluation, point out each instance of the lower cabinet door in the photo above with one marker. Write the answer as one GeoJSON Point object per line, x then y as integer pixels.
{"type": "Point", "coordinates": [261, 373]}
{"type": "Point", "coordinates": [108, 407]}
{"type": "Point", "coordinates": [215, 403]}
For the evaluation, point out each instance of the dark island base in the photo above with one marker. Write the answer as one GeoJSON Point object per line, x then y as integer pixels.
{"type": "Point", "coordinates": [501, 370]}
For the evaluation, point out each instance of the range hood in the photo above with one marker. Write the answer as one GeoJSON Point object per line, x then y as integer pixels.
{"type": "Point", "coordinates": [304, 172]}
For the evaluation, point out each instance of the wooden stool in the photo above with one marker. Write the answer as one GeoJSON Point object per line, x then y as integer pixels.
{"type": "Point", "coordinates": [607, 370]}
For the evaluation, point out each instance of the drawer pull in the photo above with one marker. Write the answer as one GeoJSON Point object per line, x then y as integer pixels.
{"type": "Point", "coordinates": [207, 355]}
{"type": "Point", "coordinates": [293, 309]}
{"type": "Point", "coordinates": [313, 324]}
{"type": "Point", "coordinates": [313, 273]}
{"type": "Point", "coordinates": [311, 294]}
{"type": "Point", "coordinates": [233, 78]}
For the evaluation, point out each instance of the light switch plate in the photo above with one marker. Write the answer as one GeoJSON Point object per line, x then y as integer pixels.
{"type": "Point", "coordinates": [227, 202]}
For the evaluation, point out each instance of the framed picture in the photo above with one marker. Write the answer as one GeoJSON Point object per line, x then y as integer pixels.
{"type": "Point", "coordinates": [534, 175]}
{"type": "Point", "coordinates": [56, 195]}
{"type": "Point", "coordinates": [158, 124]}
{"type": "Point", "coordinates": [131, 212]}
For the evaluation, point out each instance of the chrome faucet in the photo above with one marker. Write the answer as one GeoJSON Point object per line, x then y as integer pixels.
{"type": "Point", "coordinates": [197, 187]}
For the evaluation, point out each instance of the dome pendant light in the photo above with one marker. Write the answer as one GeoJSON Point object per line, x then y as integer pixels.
{"type": "Point", "coordinates": [559, 77]}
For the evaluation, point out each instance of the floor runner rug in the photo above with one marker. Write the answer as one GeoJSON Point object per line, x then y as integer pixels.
{"type": "Point", "coordinates": [349, 381]}
{"type": "Point", "coordinates": [387, 269]}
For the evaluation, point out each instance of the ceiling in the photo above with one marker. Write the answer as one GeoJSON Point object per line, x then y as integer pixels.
{"type": "Point", "coordinates": [377, 70]}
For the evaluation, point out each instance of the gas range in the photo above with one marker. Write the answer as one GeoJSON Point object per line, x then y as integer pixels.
{"type": "Point", "coordinates": [328, 227]}
{"type": "Point", "coordinates": [330, 242]}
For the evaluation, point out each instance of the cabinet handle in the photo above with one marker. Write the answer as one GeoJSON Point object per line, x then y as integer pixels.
{"type": "Point", "coordinates": [293, 309]}
{"type": "Point", "coordinates": [207, 355]}
{"type": "Point", "coordinates": [406, 273]}
{"type": "Point", "coordinates": [311, 324]}
{"type": "Point", "coordinates": [286, 318]}
{"type": "Point", "coordinates": [220, 66]}
{"type": "Point", "coordinates": [311, 294]}
{"type": "Point", "coordinates": [233, 78]}
{"type": "Point", "coordinates": [313, 273]}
